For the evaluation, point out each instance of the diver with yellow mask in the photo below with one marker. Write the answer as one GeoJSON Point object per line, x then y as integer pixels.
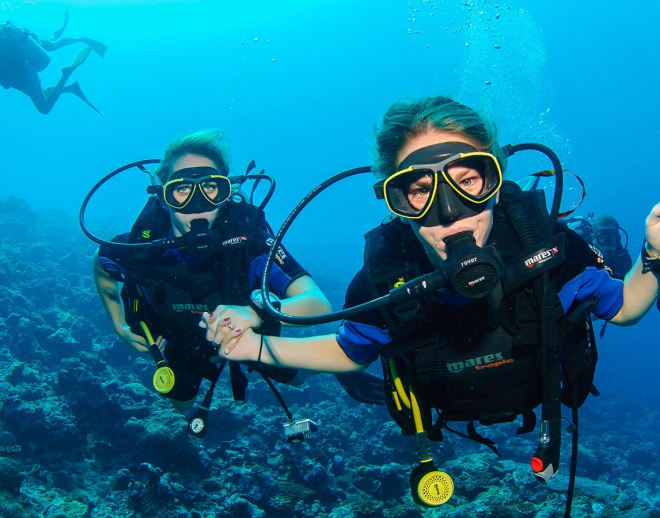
{"type": "Point", "coordinates": [200, 243]}
{"type": "Point", "coordinates": [477, 301]}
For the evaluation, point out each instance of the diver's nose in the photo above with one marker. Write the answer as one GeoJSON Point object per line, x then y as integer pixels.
{"type": "Point", "coordinates": [448, 208]}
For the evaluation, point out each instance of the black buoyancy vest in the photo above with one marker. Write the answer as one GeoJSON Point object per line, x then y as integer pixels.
{"type": "Point", "coordinates": [474, 361]}
{"type": "Point", "coordinates": [171, 295]}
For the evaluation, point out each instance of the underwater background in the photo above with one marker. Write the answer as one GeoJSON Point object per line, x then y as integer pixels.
{"type": "Point", "coordinates": [299, 87]}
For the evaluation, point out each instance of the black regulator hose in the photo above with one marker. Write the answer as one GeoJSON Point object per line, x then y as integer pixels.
{"type": "Point", "coordinates": [414, 288]}
{"type": "Point", "coordinates": [556, 165]}
{"type": "Point", "coordinates": [98, 184]}
{"type": "Point", "coordinates": [178, 242]}
{"type": "Point", "coordinates": [316, 319]}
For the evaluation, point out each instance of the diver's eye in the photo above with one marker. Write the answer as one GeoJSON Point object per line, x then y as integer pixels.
{"type": "Point", "coordinates": [418, 196]}
{"type": "Point", "coordinates": [183, 188]}
{"type": "Point", "coordinates": [467, 179]}
{"type": "Point", "coordinates": [210, 188]}
{"type": "Point", "coordinates": [420, 192]}
{"type": "Point", "coordinates": [181, 192]}
{"type": "Point", "coordinates": [470, 182]}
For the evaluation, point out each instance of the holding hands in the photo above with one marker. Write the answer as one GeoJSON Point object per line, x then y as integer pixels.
{"type": "Point", "coordinates": [228, 324]}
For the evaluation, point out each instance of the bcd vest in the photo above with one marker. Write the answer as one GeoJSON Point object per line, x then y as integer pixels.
{"type": "Point", "coordinates": [170, 291]}
{"type": "Point", "coordinates": [472, 360]}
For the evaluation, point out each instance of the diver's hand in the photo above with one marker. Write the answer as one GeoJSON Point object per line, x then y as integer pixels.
{"type": "Point", "coordinates": [243, 346]}
{"type": "Point", "coordinates": [137, 342]}
{"type": "Point", "coordinates": [226, 319]}
{"type": "Point", "coordinates": [221, 332]}
{"type": "Point", "coordinates": [653, 232]}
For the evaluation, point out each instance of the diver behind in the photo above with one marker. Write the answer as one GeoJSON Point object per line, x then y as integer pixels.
{"type": "Point", "coordinates": [607, 238]}
{"type": "Point", "coordinates": [23, 55]}
{"type": "Point", "coordinates": [604, 234]}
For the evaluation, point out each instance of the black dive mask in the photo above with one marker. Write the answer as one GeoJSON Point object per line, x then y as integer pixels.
{"type": "Point", "coordinates": [473, 272]}
{"type": "Point", "coordinates": [608, 238]}
{"type": "Point", "coordinates": [442, 183]}
{"type": "Point", "coordinates": [195, 190]}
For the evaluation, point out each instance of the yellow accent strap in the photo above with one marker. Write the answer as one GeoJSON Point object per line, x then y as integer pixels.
{"type": "Point", "coordinates": [147, 333]}
{"type": "Point", "coordinates": [417, 414]}
{"type": "Point", "coordinates": [398, 384]}
{"type": "Point", "coordinates": [396, 401]}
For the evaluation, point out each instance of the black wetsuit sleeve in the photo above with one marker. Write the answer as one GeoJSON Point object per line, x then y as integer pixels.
{"type": "Point", "coordinates": [285, 268]}
{"type": "Point", "coordinates": [358, 293]}
{"type": "Point", "coordinates": [361, 337]}
{"type": "Point", "coordinates": [579, 256]}
{"type": "Point", "coordinates": [111, 258]}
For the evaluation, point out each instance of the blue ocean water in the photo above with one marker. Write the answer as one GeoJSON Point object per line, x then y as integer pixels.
{"type": "Point", "coordinates": [300, 86]}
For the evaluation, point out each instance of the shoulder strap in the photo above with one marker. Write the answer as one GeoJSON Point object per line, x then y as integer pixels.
{"type": "Point", "coordinates": [235, 217]}
{"type": "Point", "coordinates": [152, 223]}
{"type": "Point", "coordinates": [528, 248]}
{"type": "Point", "coordinates": [393, 256]}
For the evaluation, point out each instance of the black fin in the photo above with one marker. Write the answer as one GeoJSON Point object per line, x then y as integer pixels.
{"type": "Point", "coordinates": [363, 387]}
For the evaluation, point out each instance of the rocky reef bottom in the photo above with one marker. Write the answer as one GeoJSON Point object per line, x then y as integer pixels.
{"type": "Point", "coordinates": [83, 434]}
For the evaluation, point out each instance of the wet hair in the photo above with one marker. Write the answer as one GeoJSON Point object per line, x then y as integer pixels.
{"type": "Point", "coordinates": [207, 143]}
{"type": "Point", "coordinates": [404, 120]}
{"type": "Point", "coordinates": [605, 223]}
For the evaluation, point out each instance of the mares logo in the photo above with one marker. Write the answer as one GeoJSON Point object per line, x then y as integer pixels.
{"type": "Point", "coordinates": [234, 241]}
{"type": "Point", "coordinates": [480, 362]}
{"type": "Point", "coordinates": [193, 308]}
{"type": "Point", "coordinates": [280, 255]}
{"type": "Point", "coordinates": [541, 257]}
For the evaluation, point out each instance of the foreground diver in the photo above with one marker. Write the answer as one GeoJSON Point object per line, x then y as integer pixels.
{"type": "Point", "coordinates": [496, 344]}
{"type": "Point", "coordinates": [165, 292]}
{"type": "Point", "coordinates": [23, 55]}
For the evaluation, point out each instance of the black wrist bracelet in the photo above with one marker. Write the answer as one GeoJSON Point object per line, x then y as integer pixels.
{"type": "Point", "coordinates": [269, 325]}
{"type": "Point", "coordinates": [650, 264]}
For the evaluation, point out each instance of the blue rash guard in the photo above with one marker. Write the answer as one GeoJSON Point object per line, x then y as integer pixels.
{"type": "Point", "coordinates": [581, 276]}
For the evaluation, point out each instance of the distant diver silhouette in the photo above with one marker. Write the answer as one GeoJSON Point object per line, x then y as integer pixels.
{"type": "Point", "coordinates": [23, 55]}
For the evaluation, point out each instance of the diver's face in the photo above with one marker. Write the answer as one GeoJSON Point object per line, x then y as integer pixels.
{"type": "Point", "coordinates": [608, 241]}
{"type": "Point", "coordinates": [433, 237]}
{"type": "Point", "coordinates": [180, 221]}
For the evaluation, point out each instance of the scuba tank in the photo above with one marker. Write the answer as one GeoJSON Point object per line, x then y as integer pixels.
{"type": "Point", "coordinates": [26, 46]}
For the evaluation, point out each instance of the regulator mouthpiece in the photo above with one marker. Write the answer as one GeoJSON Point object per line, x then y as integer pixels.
{"type": "Point", "coordinates": [473, 272]}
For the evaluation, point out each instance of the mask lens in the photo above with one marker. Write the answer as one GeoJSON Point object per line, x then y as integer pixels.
{"type": "Point", "coordinates": [409, 193]}
{"type": "Point", "coordinates": [476, 176]}
{"type": "Point", "coordinates": [607, 238]}
{"type": "Point", "coordinates": [178, 192]}
{"type": "Point", "coordinates": [215, 189]}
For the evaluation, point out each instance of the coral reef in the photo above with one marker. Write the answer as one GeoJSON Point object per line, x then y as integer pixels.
{"type": "Point", "coordinates": [83, 434]}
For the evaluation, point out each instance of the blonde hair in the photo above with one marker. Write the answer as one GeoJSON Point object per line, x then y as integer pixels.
{"type": "Point", "coordinates": [207, 143]}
